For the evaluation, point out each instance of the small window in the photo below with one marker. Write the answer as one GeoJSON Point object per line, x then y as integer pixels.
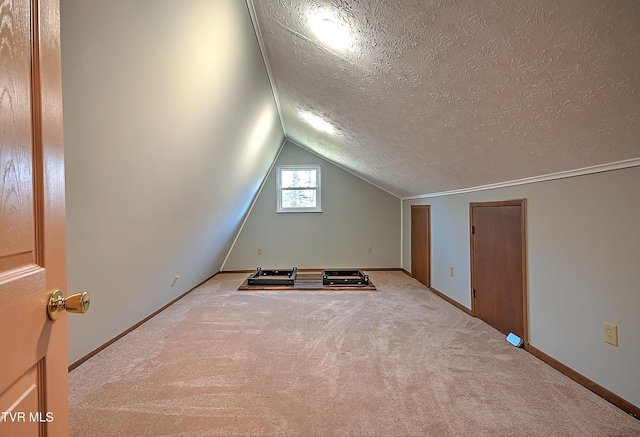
{"type": "Point", "coordinates": [299, 188]}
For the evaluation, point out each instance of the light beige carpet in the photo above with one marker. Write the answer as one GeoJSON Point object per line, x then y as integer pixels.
{"type": "Point", "coordinates": [397, 362]}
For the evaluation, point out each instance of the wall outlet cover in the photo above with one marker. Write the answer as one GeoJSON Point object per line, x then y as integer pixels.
{"type": "Point", "coordinates": [611, 333]}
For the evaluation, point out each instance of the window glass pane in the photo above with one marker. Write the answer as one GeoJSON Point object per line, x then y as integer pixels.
{"type": "Point", "coordinates": [298, 198]}
{"type": "Point", "coordinates": [298, 178]}
{"type": "Point", "coordinates": [298, 188]}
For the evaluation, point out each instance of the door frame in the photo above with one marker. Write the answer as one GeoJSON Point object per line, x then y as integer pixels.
{"type": "Point", "coordinates": [523, 235]}
{"type": "Point", "coordinates": [428, 208]}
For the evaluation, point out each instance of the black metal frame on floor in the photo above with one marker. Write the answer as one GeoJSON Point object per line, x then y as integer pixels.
{"type": "Point", "coordinates": [273, 277]}
{"type": "Point", "coordinates": [340, 277]}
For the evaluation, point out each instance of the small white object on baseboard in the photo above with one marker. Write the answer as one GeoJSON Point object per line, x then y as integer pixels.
{"type": "Point", "coordinates": [515, 340]}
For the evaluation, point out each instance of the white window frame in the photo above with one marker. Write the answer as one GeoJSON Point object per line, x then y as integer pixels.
{"type": "Point", "coordinates": [279, 188]}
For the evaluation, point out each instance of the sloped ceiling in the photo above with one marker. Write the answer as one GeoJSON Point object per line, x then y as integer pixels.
{"type": "Point", "coordinates": [438, 95]}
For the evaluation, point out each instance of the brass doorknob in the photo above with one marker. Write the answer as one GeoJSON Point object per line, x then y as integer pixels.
{"type": "Point", "coordinates": [76, 303]}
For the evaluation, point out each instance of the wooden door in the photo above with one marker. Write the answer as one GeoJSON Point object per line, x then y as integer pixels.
{"type": "Point", "coordinates": [498, 265]}
{"type": "Point", "coordinates": [421, 243]}
{"type": "Point", "coordinates": [33, 349]}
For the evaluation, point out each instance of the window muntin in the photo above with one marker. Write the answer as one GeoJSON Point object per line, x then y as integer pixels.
{"type": "Point", "coordinates": [298, 188]}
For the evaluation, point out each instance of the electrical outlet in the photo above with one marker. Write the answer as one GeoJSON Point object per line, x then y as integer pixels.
{"type": "Point", "coordinates": [451, 271]}
{"type": "Point", "coordinates": [611, 333]}
{"type": "Point", "coordinates": [259, 251]}
{"type": "Point", "coordinates": [369, 249]}
{"type": "Point", "coordinates": [175, 280]}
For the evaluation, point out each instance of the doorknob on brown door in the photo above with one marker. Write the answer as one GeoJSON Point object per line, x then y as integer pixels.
{"type": "Point", "coordinates": [76, 303]}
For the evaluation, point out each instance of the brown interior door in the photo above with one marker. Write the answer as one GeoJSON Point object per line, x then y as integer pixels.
{"type": "Point", "coordinates": [33, 349]}
{"type": "Point", "coordinates": [421, 243]}
{"type": "Point", "coordinates": [497, 263]}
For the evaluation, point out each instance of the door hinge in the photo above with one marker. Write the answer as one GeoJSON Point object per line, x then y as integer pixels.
{"type": "Point", "coordinates": [474, 292]}
{"type": "Point", "coordinates": [473, 230]}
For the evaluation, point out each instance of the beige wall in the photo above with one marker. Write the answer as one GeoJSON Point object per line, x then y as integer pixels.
{"type": "Point", "coordinates": [583, 253]}
{"type": "Point", "coordinates": [170, 127]}
{"type": "Point", "coordinates": [355, 215]}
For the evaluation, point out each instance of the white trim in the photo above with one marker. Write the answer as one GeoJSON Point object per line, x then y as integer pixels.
{"type": "Point", "coordinates": [263, 52]}
{"type": "Point", "coordinates": [341, 167]}
{"type": "Point", "coordinates": [635, 162]}
{"type": "Point", "coordinates": [255, 199]}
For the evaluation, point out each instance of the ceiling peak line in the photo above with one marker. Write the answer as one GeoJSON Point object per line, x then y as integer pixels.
{"type": "Point", "coordinates": [600, 168]}
{"type": "Point", "coordinates": [263, 51]}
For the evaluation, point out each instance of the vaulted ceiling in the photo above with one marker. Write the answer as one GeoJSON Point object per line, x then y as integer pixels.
{"type": "Point", "coordinates": [437, 95]}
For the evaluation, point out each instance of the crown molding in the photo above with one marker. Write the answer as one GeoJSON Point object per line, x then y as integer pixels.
{"type": "Point", "coordinates": [618, 165]}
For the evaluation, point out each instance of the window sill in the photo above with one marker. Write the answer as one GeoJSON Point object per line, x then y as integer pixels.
{"type": "Point", "coordinates": [287, 211]}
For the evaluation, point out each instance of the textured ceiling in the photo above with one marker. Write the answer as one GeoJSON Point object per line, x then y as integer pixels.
{"type": "Point", "coordinates": [438, 95]}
